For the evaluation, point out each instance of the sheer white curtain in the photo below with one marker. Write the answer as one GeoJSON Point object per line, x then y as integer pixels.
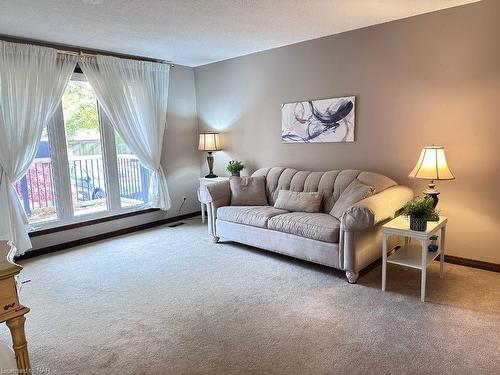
{"type": "Point", "coordinates": [32, 82]}
{"type": "Point", "coordinates": [134, 94]}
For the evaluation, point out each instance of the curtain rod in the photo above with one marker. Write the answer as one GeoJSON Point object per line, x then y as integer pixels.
{"type": "Point", "coordinates": [78, 51]}
{"type": "Point", "coordinates": [81, 53]}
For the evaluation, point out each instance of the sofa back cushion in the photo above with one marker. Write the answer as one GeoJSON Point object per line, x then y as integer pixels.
{"type": "Point", "coordinates": [330, 183]}
{"type": "Point", "coordinates": [355, 192]}
{"type": "Point", "coordinates": [299, 201]}
{"type": "Point", "coordinates": [248, 191]}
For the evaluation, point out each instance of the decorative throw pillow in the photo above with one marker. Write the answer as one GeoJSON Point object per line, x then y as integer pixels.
{"type": "Point", "coordinates": [248, 191]}
{"type": "Point", "coordinates": [299, 201]}
{"type": "Point", "coordinates": [355, 192]}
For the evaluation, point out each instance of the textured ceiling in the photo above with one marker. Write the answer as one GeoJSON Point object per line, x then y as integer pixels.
{"type": "Point", "coordinates": [197, 32]}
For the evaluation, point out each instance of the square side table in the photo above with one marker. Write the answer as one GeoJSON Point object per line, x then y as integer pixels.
{"type": "Point", "coordinates": [413, 255]}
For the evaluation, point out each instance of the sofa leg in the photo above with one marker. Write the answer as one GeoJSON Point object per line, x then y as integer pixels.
{"type": "Point", "coordinates": [352, 277]}
{"type": "Point", "coordinates": [215, 239]}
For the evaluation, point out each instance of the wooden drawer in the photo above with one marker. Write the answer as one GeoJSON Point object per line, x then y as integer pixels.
{"type": "Point", "coordinates": [8, 295]}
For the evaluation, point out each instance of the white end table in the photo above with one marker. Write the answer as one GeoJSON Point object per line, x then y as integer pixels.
{"type": "Point", "coordinates": [207, 181]}
{"type": "Point", "coordinates": [413, 255]}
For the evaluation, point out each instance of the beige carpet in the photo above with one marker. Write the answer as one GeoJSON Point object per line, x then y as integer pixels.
{"type": "Point", "coordinates": [168, 301]}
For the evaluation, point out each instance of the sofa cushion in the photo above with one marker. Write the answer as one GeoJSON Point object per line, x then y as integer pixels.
{"type": "Point", "coordinates": [256, 216]}
{"type": "Point", "coordinates": [248, 191]}
{"type": "Point", "coordinates": [316, 226]}
{"type": "Point", "coordinates": [355, 192]}
{"type": "Point", "coordinates": [299, 201]}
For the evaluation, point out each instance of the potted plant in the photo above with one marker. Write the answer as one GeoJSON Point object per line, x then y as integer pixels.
{"type": "Point", "coordinates": [234, 167]}
{"type": "Point", "coordinates": [420, 210]}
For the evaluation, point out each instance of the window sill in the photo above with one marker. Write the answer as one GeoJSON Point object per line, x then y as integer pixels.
{"type": "Point", "coordinates": [84, 223]}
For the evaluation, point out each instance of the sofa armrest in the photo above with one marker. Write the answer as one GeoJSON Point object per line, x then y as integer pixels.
{"type": "Point", "coordinates": [219, 192]}
{"type": "Point", "coordinates": [375, 209]}
{"type": "Point", "coordinates": [214, 195]}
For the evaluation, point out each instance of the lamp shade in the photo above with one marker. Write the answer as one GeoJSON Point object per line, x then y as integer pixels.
{"type": "Point", "coordinates": [431, 165]}
{"type": "Point", "coordinates": [209, 142]}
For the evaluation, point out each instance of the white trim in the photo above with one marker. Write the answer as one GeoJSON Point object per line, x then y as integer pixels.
{"type": "Point", "coordinates": [59, 156]}
{"type": "Point", "coordinates": [110, 162]}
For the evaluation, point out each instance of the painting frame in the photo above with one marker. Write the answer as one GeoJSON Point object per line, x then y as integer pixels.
{"type": "Point", "coordinates": [328, 120]}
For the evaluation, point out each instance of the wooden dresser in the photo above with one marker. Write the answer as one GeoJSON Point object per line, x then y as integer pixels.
{"type": "Point", "coordinates": [11, 311]}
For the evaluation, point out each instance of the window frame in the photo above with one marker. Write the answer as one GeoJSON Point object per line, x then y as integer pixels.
{"type": "Point", "coordinates": [61, 174]}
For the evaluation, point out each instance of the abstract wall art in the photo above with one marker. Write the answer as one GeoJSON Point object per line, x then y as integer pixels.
{"type": "Point", "coordinates": [317, 121]}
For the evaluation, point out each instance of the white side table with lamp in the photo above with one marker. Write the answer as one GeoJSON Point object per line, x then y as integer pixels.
{"type": "Point", "coordinates": [432, 166]}
{"type": "Point", "coordinates": [209, 142]}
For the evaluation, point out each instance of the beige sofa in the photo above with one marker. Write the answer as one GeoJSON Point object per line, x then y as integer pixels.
{"type": "Point", "coordinates": [348, 244]}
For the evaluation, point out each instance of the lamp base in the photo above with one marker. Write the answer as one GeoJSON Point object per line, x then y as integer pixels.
{"type": "Point", "coordinates": [210, 162]}
{"type": "Point", "coordinates": [433, 193]}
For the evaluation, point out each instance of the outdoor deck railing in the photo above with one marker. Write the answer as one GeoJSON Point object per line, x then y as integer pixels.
{"type": "Point", "coordinates": [36, 189]}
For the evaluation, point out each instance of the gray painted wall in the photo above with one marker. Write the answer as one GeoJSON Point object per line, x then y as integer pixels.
{"type": "Point", "coordinates": [180, 159]}
{"type": "Point", "coordinates": [433, 78]}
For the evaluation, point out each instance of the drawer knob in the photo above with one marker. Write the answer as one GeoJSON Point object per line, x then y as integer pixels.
{"type": "Point", "coordinates": [9, 306]}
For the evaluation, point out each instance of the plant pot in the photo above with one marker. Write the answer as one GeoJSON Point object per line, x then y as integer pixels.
{"type": "Point", "coordinates": [235, 174]}
{"type": "Point", "coordinates": [419, 224]}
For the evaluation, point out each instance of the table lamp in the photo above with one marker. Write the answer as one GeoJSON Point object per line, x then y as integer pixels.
{"type": "Point", "coordinates": [431, 165]}
{"type": "Point", "coordinates": [209, 142]}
